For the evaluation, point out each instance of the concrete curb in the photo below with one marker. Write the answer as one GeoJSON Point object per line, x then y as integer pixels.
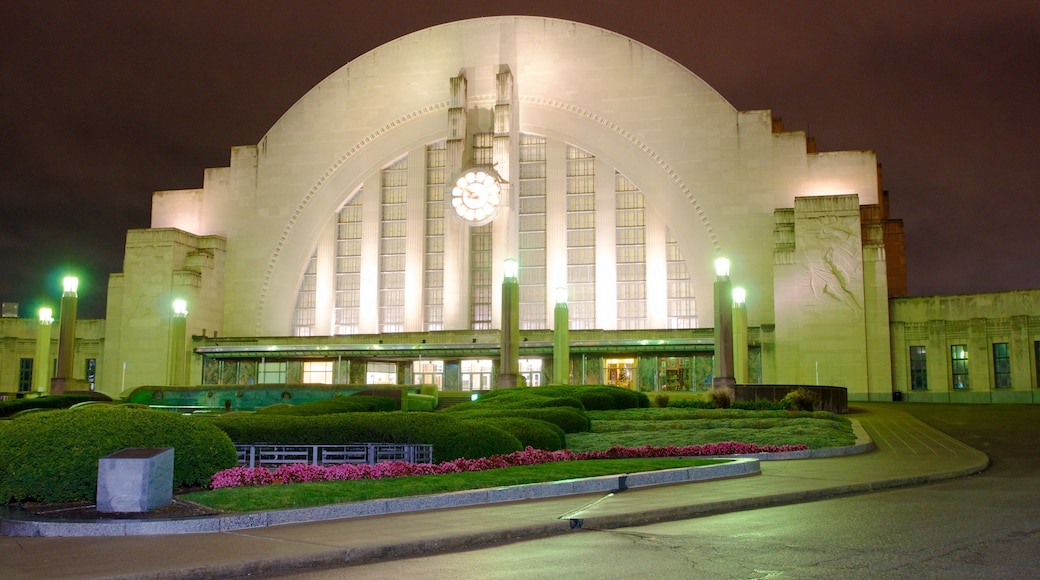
{"type": "Point", "coordinates": [739, 467]}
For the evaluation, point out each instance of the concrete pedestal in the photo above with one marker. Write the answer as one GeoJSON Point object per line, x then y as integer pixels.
{"type": "Point", "coordinates": [135, 480]}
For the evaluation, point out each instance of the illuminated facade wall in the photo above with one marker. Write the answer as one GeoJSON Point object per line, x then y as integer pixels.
{"type": "Point", "coordinates": [623, 176]}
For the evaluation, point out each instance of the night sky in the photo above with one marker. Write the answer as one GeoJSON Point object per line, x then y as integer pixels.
{"type": "Point", "coordinates": [104, 102]}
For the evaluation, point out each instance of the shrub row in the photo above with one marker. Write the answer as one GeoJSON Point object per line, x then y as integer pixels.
{"type": "Point", "coordinates": [8, 408]}
{"type": "Point", "coordinates": [451, 436]}
{"type": "Point", "coordinates": [53, 456]}
{"type": "Point", "coordinates": [531, 432]}
{"type": "Point", "coordinates": [569, 419]}
{"type": "Point", "coordinates": [587, 397]}
{"type": "Point", "coordinates": [353, 404]}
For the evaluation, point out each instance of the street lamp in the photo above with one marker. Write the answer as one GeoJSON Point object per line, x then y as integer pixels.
{"type": "Point", "coordinates": [510, 353]}
{"type": "Point", "coordinates": [740, 337]}
{"type": "Point", "coordinates": [723, 378]}
{"type": "Point", "coordinates": [42, 363]}
{"type": "Point", "coordinates": [561, 339]}
{"type": "Point", "coordinates": [66, 336]}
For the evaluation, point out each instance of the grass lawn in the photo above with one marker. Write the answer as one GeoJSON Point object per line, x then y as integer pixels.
{"type": "Point", "coordinates": [676, 426]}
{"type": "Point", "coordinates": [297, 495]}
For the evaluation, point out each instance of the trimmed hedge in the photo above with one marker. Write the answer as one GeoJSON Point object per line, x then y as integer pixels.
{"type": "Point", "coordinates": [8, 408]}
{"type": "Point", "coordinates": [592, 397]}
{"type": "Point", "coordinates": [569, 419]}
{"type": "Point", "coordinates": [450, 436]}
{"type": "Point", "coordinates": [531, 432]}
{"type": "Point", "coordinates": [353, 404]}
{"type": "Point", "coordinates": [53, 456]}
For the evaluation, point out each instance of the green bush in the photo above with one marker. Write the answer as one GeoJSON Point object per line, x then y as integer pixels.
{"type": "Point", "coordinates": [760, 405]}
{"type": "Point", "coordinates": [569, 419]}
{"type": "Point", "coordinates": [8, 408]}
{"type": "Point", "coordinates": [800, 399]}
{"type": "Point", "coordinates": [720, 399]}
{"type": "Point", "coordinates": [690, 404]}
{"type": "Point", "coordinates": [593, 397]}
{"type": "Point", "coordinates": [450, 435]}
{"type": "Point", "coordinates": [590, 397]}
{"type": "Point", "coordinates": [531, 432]}
{"type": "Point", "coordinates": [53, 456]}
{"type": "Point", "coordinates": [353, 404]}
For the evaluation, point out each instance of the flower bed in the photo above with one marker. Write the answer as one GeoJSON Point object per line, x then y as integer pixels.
{"type": "Point", "coordinates": [301, 473]}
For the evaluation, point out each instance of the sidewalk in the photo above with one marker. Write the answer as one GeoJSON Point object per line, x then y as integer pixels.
{"type": "Point", "coordinates": [908, 452]}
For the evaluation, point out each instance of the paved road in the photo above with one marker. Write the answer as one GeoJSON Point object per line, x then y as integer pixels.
{"type": "Point", "coordinates": [985, 526]}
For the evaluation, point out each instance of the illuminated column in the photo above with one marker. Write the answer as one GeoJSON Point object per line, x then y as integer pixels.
{"type": "Point", "coordinates": [723, 327]}
{"type": "Point", "coordinates": [507, 368]}
{"type": "Point", "coordinates": [66, 336]}
{"type": "Point", "coordinates": [740, 337]}
{"type": "Point", "coordinates": [178, 334]}
{"type": "Point", "coordinates": [42, 364]}
{"type": "Point", "coordinates": [561, 340]}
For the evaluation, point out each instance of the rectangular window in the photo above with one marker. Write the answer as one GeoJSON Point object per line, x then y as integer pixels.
{"type": "Point", "coordinates": [428, 372]}
{"type": "Point", "coordinates": [317, 372]}
{"type": "Point", "coordinates": [918, 368]}
{"type": "Point", "coordinates": [25, 372]}
{"type": "Point", "coordinates": [531, 369]}
{"type": "Point", "coordinates": [476, 374]}
{"type": "Point", "coordinates": [959, 365]}
{"type": "Point", "coordinates": [271, 372]}
{"type": "Point", "coordinates": [380, 373]}
{"type": "Point", "coordinates": [1001, 365]}
{"type": "Point", "coordinates": [619, 371]}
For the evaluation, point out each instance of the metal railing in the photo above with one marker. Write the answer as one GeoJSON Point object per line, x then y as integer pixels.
{"type": "Point", "coordinates": [267, 455]}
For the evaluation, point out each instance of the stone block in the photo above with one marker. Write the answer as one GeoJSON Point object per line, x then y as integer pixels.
{"type": "Point", "coordinates": [135, 480]}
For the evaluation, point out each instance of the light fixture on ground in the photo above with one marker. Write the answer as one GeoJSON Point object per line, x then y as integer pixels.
{"type": "Point", "coordinates": [66, 336]}
{"type": "Point", "coordinates": [740, 337]}
{"type": "Point", "coordinates": [510, 354]}
{"type": "Point", "coordinates": [561, 340]}
{"type": "Point", "coordinates": [42, 364]}
{"type": "Point", "coordinates": [178, 335]}
{"type": "Point", "coordinates": [723, 379]}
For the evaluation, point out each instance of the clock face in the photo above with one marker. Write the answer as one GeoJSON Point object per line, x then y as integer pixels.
{"type": "Point", "coordinates": [475, 196]}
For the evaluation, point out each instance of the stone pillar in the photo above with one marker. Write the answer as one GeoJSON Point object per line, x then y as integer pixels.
{"type": "Point", "coordinates": [561, 340]}
{"type": "Point", "coordinates": [723, 378]}
{"type": "Point", "coordinates": [510, 349]}
{"type": "Point", "coordinates": [740, 338]}
{"type": "Point", "coordinates": [42, 364]}
{"type": "Point", "coordinates": [66, 336]}
{"type": "Point", "coordinates": [178, 335]}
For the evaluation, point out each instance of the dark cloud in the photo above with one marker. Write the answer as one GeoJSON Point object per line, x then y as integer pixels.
{"type": "Point", "coordinates": [102, 103]}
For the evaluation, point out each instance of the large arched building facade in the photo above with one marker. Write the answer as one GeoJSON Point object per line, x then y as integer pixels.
{"type": "Point", "coordinates": [335, 250]}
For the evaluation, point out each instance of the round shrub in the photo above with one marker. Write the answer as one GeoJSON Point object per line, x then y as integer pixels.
{"type": "Point", "coordinates": [450, 435]}
{"type": "Point", "coordinates": [800, 399]}
{"type": "Point", "coordinates": [53, 456]}
{"type": "Point", "coordinates": [531, 432]}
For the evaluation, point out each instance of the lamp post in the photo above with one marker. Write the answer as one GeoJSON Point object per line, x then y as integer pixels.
{"type": "Point", "coordinates": [510, 354]}
{"type": "Point", "coordinates": [66, 336]}
{"type": "Point", "coordinates": [740, 336]}
{"type": "Point", "coordinates": [178, 334]}
{"type": "Point", "coordinates": [723, 378]}
{"type": "Point", "coordinates": [42, 365]}
{"type": "Point", "coordinates": [561, 340]}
